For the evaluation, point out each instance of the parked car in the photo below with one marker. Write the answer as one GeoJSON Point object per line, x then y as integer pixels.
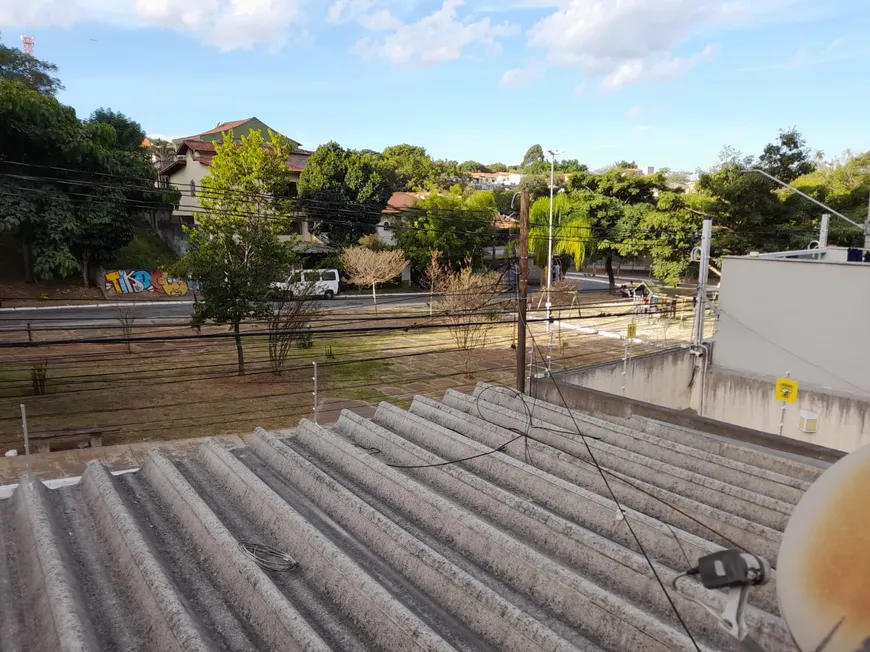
{"type": "Point", "coordinates": [314, 282]}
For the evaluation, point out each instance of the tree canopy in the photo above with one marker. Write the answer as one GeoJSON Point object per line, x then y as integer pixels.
{"type": "Point", "coordinates": [535, 154]}
{"type": "Point", "coordinates": [35, 74]}
{"type": "Point", "coordinates": [70, 189]}
{"type": "Point", "coordinates": [410, 165]}
{"type": "Point", "coordinates": [343, 192]}
{"type": "Point", "coordinates": [236, 251]}
{"type": "Point", "coordinates": [460, 228]}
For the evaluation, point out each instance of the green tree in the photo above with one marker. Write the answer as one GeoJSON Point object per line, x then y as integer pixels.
{"type": "Point", "coordinates": [616, 202]}
{"type": "Point", "coordinates": [163, 151]}
{"type": "Point", "coordinates": [235, 249]}
{"type": "Point", "coordinates": [343, 193]}
{"type": "Point", "coordinates": [460, 228]}
{"type": "Point", "coordinates": [473, 166]}
{"type": "Point", "coordinates": [748, 213]}
{"type": "Point", "coordinates": [444, 175]}
{"type": "Point", "coordinates": [35, 74]}
{"type": "Point", "coordinates": [411, 166]}
{"type": "Point", "coordinates": [534, 154]}
{"type": "Point", "coordinates": [844, 185]}
{"type": "Point", "coordinates": [537, 185]}
{"type": "Point", "coordinates": [497, 167]}
{"type": "Point", "coordinates": [788, 158]}
{"type": "Point", "coordinates": [571, 232]}
{"type": "Point", "coordinates": [668, 231]}
{"type": "Point", "coordinates": [70, 192]}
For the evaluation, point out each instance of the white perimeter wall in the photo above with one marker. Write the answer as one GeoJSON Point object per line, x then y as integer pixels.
{"type": "Point", "coordinates": [741, 399]}
{"type": "Point", "coordinates": [805, 317]}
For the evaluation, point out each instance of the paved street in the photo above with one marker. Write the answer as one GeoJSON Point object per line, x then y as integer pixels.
{"type": "Point", "coordinates": [162, 311]}
{"type": "Point", "coordinates": [180, 311]}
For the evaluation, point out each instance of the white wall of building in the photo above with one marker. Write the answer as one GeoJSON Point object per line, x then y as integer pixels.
{"type": "Point", "coordinates": [193, 171]}
{"type": "Point", "coordinates": [385, 230]}
{"type": "Point", "coordinates": [809, 318]}
{"type": "Point", "coordinates": [666, 379]}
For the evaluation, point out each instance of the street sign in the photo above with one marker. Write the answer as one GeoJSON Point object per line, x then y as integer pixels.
{"type": "Point", "coordinates": [786, 390]}
{"type": "Point", "coordinates": [632, 331]}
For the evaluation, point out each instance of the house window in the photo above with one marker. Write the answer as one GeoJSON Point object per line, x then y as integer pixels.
{"type": "Point", "coordinates": [192, 188]}
{"type": "Point", "coordinates": [293, 191]}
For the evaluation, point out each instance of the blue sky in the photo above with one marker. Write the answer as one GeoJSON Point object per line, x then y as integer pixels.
{"type": "Point", "coordinates": [663, 82]}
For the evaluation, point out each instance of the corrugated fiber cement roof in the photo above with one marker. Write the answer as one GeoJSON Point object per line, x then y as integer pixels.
{"type": "Point", "coordinates": [521, 550]}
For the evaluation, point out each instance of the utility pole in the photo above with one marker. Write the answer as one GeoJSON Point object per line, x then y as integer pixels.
{"type": "Point", "coordinates": [26, 436]}
{"type": "Point", "coordinates": [867, 228]}
{"type": "Point", "coordinates": [523, 291]}
{"type": "Point", "coordinates": [552, 154]}
{"type": "Point", "coordinates": [823, 232]}
{"type": "Point", "coordinates": [314, 393]}
{"type": "Point", "coordinates": [702, 256]}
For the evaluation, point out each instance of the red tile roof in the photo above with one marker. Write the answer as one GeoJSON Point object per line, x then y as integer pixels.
{"type": "Point", "coordinates": [402, 201]}
{"type": "Point", "coordinates": [205, 152]}
{"type": "Point", "coordinates": [226, 126]}
{"type": "Point", "coordinates": [172, 167]}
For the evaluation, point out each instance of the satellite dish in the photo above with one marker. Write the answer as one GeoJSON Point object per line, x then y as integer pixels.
{"type": "Point", "coordinates": [823, 574]}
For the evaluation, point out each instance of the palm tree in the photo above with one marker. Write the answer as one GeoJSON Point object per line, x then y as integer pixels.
{"type": "Point", "coordinates": [572, 235]}
{"type": "Point", "coordinates": [162, 153]}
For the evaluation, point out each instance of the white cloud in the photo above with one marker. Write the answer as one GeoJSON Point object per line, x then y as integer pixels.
{"type": "Point", "coordinates": [381, 21]}
{"type": "Point", "coordinates": [518, 77]}
{"type": "Point", "coordinates": [225, 24]}
{"type": "Point", "coordinates": [344, 10]}
{"type": "Point", "coordinates": [437, 38]}
{"type": "Point", "coordinates": [624, 41]}
{"type": "Point", "coordinates": [634, 112]}
{"type": "Point", "coordinates": [806, 57]}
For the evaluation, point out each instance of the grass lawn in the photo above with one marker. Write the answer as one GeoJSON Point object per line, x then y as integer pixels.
{"type": "Point", "coordinates": [176, 389]}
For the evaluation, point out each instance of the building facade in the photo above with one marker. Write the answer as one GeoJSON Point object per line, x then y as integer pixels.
{"type": "Point", "coordinates": [194, 155]}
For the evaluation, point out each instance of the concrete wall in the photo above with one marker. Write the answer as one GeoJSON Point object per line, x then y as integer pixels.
{"type": "Point", "coordinates": [741, 399]}
{"type": "Point", "coordinates": [611, 406]}
{"type": "Point", "coordinates": [748, 400]}
{"type": "Point", "coordinates": [661, 378]}
{"type": "Point", "coordinates": [805, 317]}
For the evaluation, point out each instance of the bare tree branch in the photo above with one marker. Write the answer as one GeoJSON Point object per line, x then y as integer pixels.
{"type": "Point", "coordinates": [366, 268]}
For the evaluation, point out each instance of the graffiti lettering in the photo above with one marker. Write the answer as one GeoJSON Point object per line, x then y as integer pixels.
{"type": "Point", "coordinates": [140, 281]}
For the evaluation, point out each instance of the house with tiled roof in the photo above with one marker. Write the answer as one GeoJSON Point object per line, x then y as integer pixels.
{"type": "Point", "coordinates": [398, 204]}
{"type": "Point", "coordinates": [194, 155]}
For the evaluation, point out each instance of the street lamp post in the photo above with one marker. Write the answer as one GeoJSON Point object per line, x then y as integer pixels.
{"type": "Point", "coordinates": [552, 154]}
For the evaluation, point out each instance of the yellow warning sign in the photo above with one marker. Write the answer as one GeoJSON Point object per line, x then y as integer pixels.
{"type": "Point", "coordinates": [786, 390]}
{"type": "Point", "coordinates": [632, 331]}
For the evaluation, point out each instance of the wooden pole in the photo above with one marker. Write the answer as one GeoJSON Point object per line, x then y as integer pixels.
{"type": "Point", "coordinates": [523, 291]}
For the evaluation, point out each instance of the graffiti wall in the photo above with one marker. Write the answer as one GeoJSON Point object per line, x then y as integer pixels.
{"type": "Point", "coordinates": [140, 281]}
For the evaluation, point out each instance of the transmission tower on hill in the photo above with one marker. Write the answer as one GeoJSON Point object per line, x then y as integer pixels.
{"type": "Point", "coordinates": [27, 44]}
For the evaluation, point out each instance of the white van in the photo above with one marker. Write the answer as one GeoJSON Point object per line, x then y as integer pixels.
{"type": "Point", "coordinates": [316, 282]}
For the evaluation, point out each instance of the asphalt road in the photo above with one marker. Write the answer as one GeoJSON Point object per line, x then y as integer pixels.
{"type": "Point", "coordinates": [180, 311]}
{"type": "Point", "coordinates": [160, 311]}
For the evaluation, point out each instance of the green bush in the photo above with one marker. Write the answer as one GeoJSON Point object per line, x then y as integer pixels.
{"type": "Point", "coordinates": [145, 251]}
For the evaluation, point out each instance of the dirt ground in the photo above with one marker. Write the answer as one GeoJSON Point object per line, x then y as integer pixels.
{"type": "Point", "coordinates": [168, 390]}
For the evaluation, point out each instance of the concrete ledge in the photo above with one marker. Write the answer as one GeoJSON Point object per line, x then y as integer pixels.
{"type": "Point", "coordinates": [263, 605]}
{"type": "Point", "coordinates": [496, 619]}
{"type": "Point", "coordinates": [597, 613]}
{"type": "Point", "coordinates": [372, 609]}
{"type": "Point", "coordinates": [172, 628]}
{"type": "Point", "coordinates": [52, 613]}
{"type": "Point", "coordinates": [593, 400]}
